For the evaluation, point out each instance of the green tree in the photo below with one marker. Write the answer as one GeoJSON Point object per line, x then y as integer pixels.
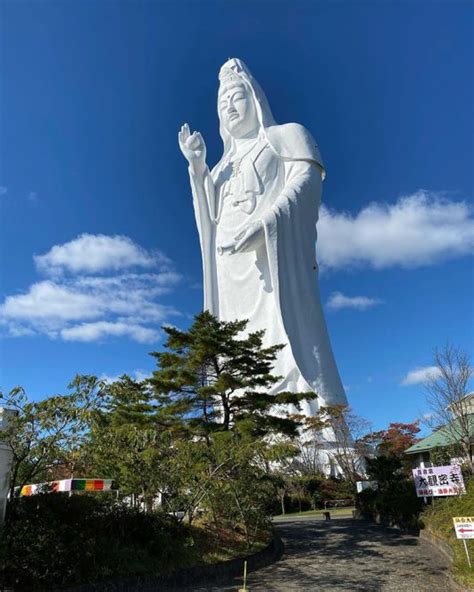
{"type": "Point", "coordinates": [131, 441]}
{"type": "Point", "coordinates": [232, 487]}
{"type": "Point", "coordinates": [219, 378]}
{"type": "Point", "coordinates": [394, 501]}
{"type": "Point", "coordinates": [49, 433]}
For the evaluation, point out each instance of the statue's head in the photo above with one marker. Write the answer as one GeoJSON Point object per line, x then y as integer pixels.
{"type": "Point", "coordinates": [242, 106]}
{"type": "Point", "coordinates": [243, 110]}
{"type": "Point", "coordinates": [236, 105]}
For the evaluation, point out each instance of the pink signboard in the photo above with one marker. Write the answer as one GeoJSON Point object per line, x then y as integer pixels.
{"type": "Point", "coordinates": [437, 481]}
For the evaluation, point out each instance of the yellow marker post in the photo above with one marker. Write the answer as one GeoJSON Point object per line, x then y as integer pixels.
{"type": "Point", "coordinates": [244, 589]}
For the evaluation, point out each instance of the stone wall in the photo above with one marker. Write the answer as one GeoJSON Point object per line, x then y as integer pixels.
{"type": "Point", "coordinates": [445, 548]}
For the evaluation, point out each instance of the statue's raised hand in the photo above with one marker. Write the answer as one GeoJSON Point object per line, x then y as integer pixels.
{"type": "Point", "coordinates": [193, 148]}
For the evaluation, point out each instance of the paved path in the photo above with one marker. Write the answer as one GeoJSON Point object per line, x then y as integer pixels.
{"type": "Point", "coordinates": [347, 555]}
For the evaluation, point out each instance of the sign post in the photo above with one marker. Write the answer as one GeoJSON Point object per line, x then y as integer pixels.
{"type": "Point", "coordinates": [464, 527]}
{"type": "Point", "coordinates": [467, 553]}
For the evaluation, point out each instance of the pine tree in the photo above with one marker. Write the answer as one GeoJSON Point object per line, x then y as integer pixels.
{"type": "Point", "coordinates": [218, 378]}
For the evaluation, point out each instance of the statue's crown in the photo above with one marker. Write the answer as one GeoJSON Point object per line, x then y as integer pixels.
{"type": "Point", "coordinates": [230, 70]}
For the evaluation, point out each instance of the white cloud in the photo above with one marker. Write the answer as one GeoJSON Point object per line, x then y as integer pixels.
{"type": "Point", "coordinates": [420, 375]}
{"type": "Point", "coordinates": [337, 300]}
{"type": "Point", "coordinates": [99, 330]}
{"type": "Point", "coordinates": [107, 378]}
{"type": "Point", "coordinates": [419, 229]}
{"type": "Point", "coordinates": [48, 300]}
{"type": "Point", "coordinates": [85, 307]}
{"type": "Point", "coordinates": [138, 375]}
{"type": "Point", "coordinates": [160, 283]}
{"type": "Point", "coordinates": [141, 375]}
{"type": "Point", "coordinates": [95, 253]}
{"type": "Point", "coordinates": [19, 331]}
{"type": "Point", "coordinates": [3, 190]}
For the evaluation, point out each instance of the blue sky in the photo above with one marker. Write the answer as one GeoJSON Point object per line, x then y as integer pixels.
{"type": "Point", "coordinates": [98, 240]}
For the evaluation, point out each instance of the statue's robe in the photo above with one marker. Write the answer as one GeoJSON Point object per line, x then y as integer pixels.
{"type": "Point", "coordinates": [274, 285]}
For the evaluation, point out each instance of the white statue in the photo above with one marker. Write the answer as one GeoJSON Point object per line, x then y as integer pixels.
{"type": "Point", "coordinates": [256, 213]}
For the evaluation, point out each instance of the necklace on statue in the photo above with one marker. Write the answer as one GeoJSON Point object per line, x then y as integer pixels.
{"type": "Point", "coordinates": [239, 158]}
{"type": "Point", "coordinates": [237, 163]}
{"type": "Point", "coordinates": [236, 168]}
{"type": "Point", "coordinates": [234, 187]}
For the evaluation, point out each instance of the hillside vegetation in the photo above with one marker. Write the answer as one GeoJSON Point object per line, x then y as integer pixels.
{"type": "Point", "coordinates": [439, 519]}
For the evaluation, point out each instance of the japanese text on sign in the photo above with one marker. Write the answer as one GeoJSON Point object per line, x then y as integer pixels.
{"type": "Point", "coordinates": [437, 481]}
{"type": "Point", "coordinates": [464, 527]}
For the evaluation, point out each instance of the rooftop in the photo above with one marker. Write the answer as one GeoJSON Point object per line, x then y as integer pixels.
{"type": "Point", "coordinates": [445, 436]}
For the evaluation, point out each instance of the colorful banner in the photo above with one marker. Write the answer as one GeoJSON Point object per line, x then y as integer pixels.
{"type": "Point", "coordinates": [67, 485]}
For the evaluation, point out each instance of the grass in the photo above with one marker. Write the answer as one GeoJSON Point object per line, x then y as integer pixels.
{"type": "Point", "coordinates": [334, 512]}
{"type": "Point", "coordinates": [439, 519]}
{"type": "Point", "coordinates": [214, 546]}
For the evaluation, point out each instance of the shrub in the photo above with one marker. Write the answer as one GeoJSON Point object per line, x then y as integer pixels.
{"type": "Point", "coordinates": [395, 501]}
{"type": "Point", "coordinates": [333, 489]}
{"type": "Point", "coordinates": [396, 506]}
{"type": "Point", "coordinates": [56, 540]}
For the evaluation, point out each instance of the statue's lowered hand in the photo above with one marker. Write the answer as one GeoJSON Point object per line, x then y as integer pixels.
{"type": "Point", "coordinates": [244, 241]}
{"type": "Point", "coordinates": [249, 239]}
{"type": "Point", "coordinates": [193, 148]}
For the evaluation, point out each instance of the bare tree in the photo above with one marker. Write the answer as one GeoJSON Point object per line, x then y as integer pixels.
{"type": "Point", "coordinates": [350, 448]}
{"type": "Point", "coordinates": [336, 432]}
{"type": "Point", "coordinates": [447, 394]}
{"type": "Point", "coordinates": [309, 460]}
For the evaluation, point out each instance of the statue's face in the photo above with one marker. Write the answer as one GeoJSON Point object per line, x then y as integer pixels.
{"type": "Point", "coordinates": [237, 110]}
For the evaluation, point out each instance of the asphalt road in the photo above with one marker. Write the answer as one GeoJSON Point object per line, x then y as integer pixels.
{"type": "Point", "coordinates": [346, 555]}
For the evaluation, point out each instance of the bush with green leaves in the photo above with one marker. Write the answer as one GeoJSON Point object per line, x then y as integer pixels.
{"type": "Point", "coordinates": [394, 502]}
{"type": "Point", "coordinates": [52, 540]}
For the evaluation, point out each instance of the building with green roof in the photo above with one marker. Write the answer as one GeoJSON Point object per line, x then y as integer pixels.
{"type": "Point", "coordinates": [445, 436]}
